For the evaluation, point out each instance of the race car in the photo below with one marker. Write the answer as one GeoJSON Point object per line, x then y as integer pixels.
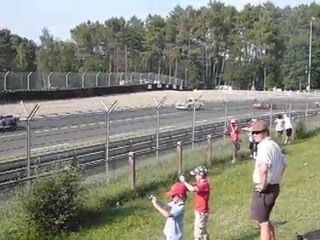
{"type": "Point", "coordinates": [189, 103]}
{"type": "Point", "coordinates": [9, 121]}
{"type": "Point", "coordinates": [256, 104]}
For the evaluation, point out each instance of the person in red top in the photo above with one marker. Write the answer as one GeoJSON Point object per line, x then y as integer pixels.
{"type": "Point", "coordinates": [233, 130]}
{"type": "Point", "coordinates": [201, 202]}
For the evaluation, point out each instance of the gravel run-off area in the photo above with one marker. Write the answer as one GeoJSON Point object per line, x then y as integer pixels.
{"type": "Point", "coordinates": [146, 100]}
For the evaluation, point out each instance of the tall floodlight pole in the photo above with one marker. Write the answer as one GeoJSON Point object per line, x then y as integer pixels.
{"type": "Point", "coordinates": [310, 54]}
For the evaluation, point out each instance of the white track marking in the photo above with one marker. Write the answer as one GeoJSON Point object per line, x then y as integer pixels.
{"type": "Point", "coordinates": [166, 127]}
{"type": "Point", "coordinates": [50, 147]}
{"type": "Point", "coordinates": [13, 135]}
{"type": "Point", "coordinates": [202, 121]}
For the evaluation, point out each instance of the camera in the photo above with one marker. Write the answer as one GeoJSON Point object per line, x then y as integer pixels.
{"type": "Point", "coordinates": [151, 196]}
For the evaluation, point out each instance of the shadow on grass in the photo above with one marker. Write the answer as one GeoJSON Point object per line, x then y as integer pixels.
{"type": "Point", "coordinates": [313, 235]}
{"type": "Point", "coordinates": [255, 232]}
{"type": "Point", "coordinates": [304, 135]}
{"type": "Point", "coordinates": [98, 217]}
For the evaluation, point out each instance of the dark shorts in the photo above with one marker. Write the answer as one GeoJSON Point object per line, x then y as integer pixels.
{"type": "Point", "coordinates": [235, 147]}
{"type": "Point", "coordinates": [263, 202]}
{"type": "Point", "coordinates": [279, 133]}
{"type": "Point", "coordinates": [289, 132]}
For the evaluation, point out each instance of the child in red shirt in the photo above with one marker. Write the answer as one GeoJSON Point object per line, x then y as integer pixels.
{"type": "Point", "coordinates": [202, 193]}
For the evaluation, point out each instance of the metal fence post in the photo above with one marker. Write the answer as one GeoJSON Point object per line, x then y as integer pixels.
{"type": "Point", "coordinates": [121, 79]}
{"type": "Point", "coordinates": [149, 77]}
{"type": "Point", "coordinates": [109, 79]}
{"type": "Point", "coordinates": [307, 110]}
{"type": "Point", "coordinates": [97, 79]}
{"type": "Point", "coordinates": [131, 78]}
{"type": "Point", "coordinates": [194, 120]}
{"type": "Point", "coordinates": [179, 150]}
{"type": "Point", "coordinates": [5, 81]}
{"type": "Point", "coordinates": [67, 80]}
{"type": "Point", "coordinates": [83, 79]}
{"type": "Point", "coordinates": [108, 112]}
{"type": "Point", "coordinates": [158, 106]}
{"type": "Point", "coordinates": [49, 80]}
{"type": "Point", "coordinates": [270, 114]}
{"type": "Point", "coordinates": [132, 170]}
{"type": "Point", "coordinates": [29, 118]}
{"type": "Point", "coordinates": [226, 109]}
{"type": "Point", "coordinates": [28, 80]}
{"type": "Point", "coordinates": [209, 153]}
{"type": "Point", "coordinates": [252, 108]}
{"type": "Point", "coordinates": [290, 109]}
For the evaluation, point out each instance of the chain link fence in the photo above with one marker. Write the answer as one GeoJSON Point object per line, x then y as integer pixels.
{"type": "Point", "coordinates": [22, 81]}
{"type": "Point", "coordinates": [99, 143]}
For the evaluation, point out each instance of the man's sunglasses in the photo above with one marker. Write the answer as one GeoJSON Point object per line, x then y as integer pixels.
{"type": "Point", "coordinates": [257, 132]}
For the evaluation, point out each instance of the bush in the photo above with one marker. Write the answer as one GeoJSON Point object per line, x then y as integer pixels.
{"type": "Point", "coordinates": [301, 131]}
{"type": "Point", "coordinates": [53, 204]}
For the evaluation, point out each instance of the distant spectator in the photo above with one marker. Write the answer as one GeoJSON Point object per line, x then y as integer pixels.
{"type": "Point", "coordinates": [173, 211]}
{"type": "Point", "coordinates": [279, 127]}
{"type": "Point", "coordinates": [288, 127]}
{"type": "Point", "coordinates": [252, 143]}
{"type": "Point", "coordinates": [233, 130]}
{"type": "Point", "coordinates": [201, 188]}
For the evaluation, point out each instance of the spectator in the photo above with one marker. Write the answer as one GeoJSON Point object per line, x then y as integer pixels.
{"type": "Point", "coordinates": [202, 193]}
{"type": "Point", "coordinates": [233, 131]}
{"type": "Point", "coordinates": [252, 143]}
{"type": "Point", "coordinates": [267, 174]}
{"type": "Point", "coordinates": [173, 211]}
{"type": "Point", "coordinates": [279, 127]}
{"type": "Point", "coordinates": [288, 127]}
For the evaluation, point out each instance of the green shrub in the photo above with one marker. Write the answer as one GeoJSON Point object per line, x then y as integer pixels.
{"type": "Point", "coordinates": [53, 204]}
{"type": "Point", "coordinates": [301, 130]}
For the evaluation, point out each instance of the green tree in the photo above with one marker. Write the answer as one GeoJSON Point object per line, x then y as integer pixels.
{"type": "Point", "coordinates": [6, 53]}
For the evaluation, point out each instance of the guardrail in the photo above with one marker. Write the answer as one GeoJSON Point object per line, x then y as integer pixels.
{"type": "Point", "coordinates": [93, 157]}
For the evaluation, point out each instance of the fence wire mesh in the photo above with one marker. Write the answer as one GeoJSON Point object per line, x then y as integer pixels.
{"type": "Point", "coordinates": [80, 139]}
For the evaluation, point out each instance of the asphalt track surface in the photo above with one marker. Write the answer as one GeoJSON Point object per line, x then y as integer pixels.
{"type": "Point", "coordinates": [66, 131]}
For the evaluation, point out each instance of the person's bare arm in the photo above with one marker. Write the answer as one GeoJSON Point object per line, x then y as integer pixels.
{"type": "Point", "coordinates": [263, 172]}
{"type": "Point", "coordinates": [160, 207]}
{"type": "Point", "coordinates": [188, 185]}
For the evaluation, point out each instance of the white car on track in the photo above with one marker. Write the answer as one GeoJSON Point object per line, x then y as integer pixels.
{"type": "Point", "coordinates": [189, 103]}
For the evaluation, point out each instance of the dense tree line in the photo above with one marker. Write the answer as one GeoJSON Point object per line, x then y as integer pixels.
{"type": "Point", "coordinates": [210, 46]}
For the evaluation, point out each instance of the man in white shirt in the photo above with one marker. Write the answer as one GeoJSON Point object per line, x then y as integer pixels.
{"type": "Point", "coordinates": [288, 127]}
{"type": "Point", "coordinates": [269, 167]}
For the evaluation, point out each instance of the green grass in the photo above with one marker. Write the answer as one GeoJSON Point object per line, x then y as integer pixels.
{"type": "Point", "coordinates": [297, 209]}
{"type": "Point", "coordinates": [113, 212]}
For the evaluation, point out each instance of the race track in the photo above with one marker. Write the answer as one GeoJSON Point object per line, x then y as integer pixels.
{"type": "Point", "coordinates": [65, 131]}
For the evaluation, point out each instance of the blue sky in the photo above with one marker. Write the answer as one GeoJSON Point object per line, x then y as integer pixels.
{"type": "Point", "coordinates": [28, 17]}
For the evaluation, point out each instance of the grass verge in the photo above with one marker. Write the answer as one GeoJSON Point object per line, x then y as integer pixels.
{"type": "Point", "coordinates": [113, 212]}
{"type": "Point", "coordinates": [296, 209]}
